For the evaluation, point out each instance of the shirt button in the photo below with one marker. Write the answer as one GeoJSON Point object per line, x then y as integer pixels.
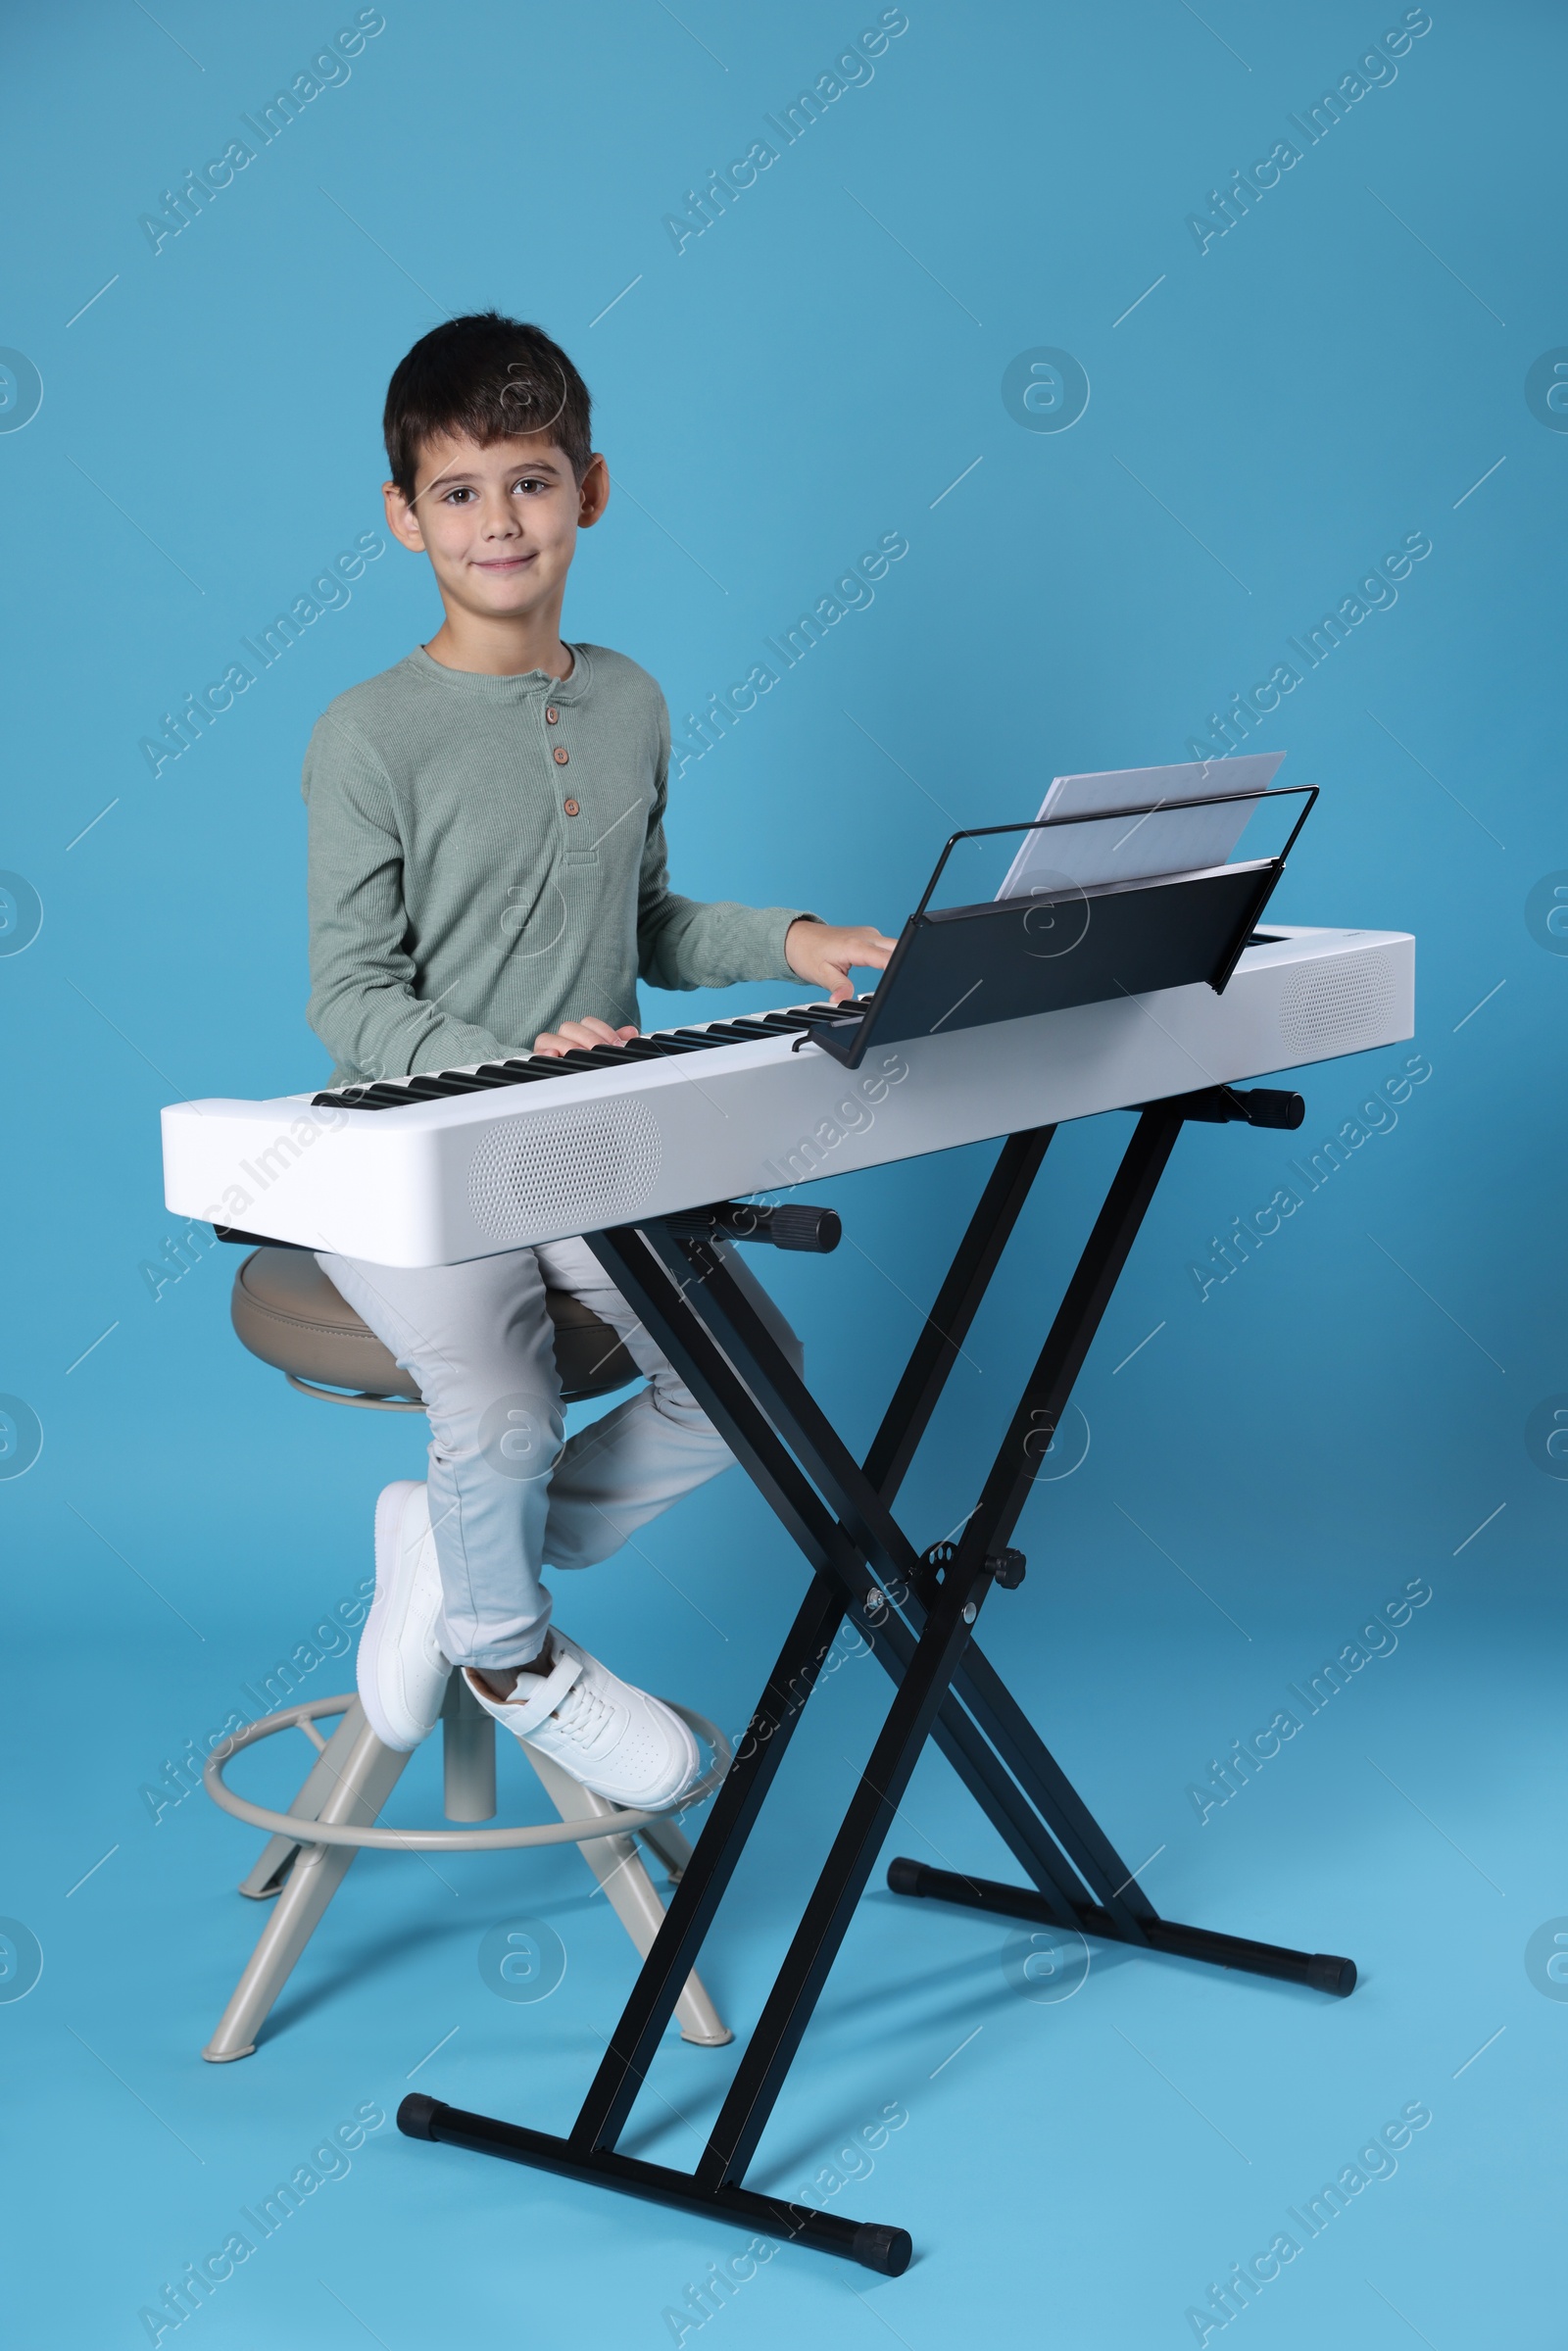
{"type": "Point", "coordinates": [571, 808]}
{"type": "Point", "coordinates": [560, 754]}
{"type": "Point", "coordinates": [551, 714]}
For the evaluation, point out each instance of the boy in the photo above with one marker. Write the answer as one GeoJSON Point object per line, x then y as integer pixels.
{"type": "Point", "coordinates": [487, 875]}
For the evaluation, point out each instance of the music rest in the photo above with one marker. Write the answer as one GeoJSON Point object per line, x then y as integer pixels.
{"type": "Point", "coordinates": [1005, 958]}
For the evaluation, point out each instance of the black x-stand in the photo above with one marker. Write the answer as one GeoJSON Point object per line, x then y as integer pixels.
{"type": "Point", "coordinates": [918, 1615]}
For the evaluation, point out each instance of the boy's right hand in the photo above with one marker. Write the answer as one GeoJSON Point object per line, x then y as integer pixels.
{"type": "Point", "coordinates": [574, 1036]}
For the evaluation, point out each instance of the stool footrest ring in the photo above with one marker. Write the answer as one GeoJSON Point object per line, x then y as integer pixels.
{"type": "Point", "coordinates": [307, 1831]}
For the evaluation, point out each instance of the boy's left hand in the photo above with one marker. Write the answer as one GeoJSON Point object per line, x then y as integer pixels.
{"type": "Point", "coordinates": [818, 952]}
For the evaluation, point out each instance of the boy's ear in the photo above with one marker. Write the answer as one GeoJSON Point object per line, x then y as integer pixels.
{"type": "Point", "coordinates": [593, 493]}
{"type": "Point", "coordinates": [401, 519]}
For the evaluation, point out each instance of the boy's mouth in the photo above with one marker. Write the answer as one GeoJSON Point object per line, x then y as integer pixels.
{"type": "Point", "coordinates": [500, 562]}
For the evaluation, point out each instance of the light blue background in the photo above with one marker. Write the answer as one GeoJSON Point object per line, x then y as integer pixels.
{"type": "Point", "coordinates": [816, 370]}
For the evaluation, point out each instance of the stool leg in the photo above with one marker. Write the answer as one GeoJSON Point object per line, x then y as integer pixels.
{"type": "Point", "coordinates": [468, 1754]}
{"type": "Point", "coordinates": [271, 1866]}
{"type": "Point", "coordinates": [364, 1781]}
{"type": "Point", "coordinates": [618, 1868]}
{"type": "Point", "coordinates": [666, 1840]}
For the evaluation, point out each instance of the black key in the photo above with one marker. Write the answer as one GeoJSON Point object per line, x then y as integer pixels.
{"type": "Point", "coordinates": [519, 1072]}
{"type": "Point", "coordinates": [386, 1094]}
{"type": "Point", "coordinates": [430, 1085]}
{"type": "Point", "coordinates": [612, 1057]}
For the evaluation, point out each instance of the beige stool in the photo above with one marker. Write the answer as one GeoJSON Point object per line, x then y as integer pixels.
{"type": "Point", "coordinates": [287, 1312]}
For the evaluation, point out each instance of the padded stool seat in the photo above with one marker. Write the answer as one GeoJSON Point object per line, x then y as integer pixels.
{"type": "Point", "coordinates": [286, 1311]}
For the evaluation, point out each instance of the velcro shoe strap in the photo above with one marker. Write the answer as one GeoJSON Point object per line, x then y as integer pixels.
{"type": "Point", "coordinates": [545, 1696]}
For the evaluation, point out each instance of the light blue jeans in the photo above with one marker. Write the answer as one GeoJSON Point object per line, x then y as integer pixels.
{"type": "Point", "coordinates": [507, 1497]}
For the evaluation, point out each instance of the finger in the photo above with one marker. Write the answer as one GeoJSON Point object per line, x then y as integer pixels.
{"type": "Point", "coordinates": [574, 1035]}
{"type": "Point", "coordinates": [571, 1036]}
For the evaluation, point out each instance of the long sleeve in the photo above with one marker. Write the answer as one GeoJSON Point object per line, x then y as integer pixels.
{"type": "Point", "coordinates": [684, 943]}
{"type": "Point", "coordinates": [362, 1003]}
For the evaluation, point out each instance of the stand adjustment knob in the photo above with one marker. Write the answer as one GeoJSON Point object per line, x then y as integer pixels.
{"type": "Point", "coordinates": [1004, 1567]}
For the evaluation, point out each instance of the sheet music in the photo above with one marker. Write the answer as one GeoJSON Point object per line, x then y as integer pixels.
{"type": "Point", "coordinates": [1170, 839]}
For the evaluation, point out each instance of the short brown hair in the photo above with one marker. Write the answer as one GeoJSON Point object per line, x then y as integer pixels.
{"type": "Point", "coordinates": [491, 379]}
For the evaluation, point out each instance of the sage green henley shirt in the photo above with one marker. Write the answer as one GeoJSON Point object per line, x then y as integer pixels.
{"type": "Point", "coordinates": [487, 859]}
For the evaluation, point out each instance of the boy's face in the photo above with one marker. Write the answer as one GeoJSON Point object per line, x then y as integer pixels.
{"type": "Point", "coordinates": [499, 522]}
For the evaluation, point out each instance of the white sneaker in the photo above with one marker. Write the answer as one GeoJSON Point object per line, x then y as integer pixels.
{"type": "Point", "coordinates": [401, 1670]}
{"type": "Point", "coordinates": [615, 1740]}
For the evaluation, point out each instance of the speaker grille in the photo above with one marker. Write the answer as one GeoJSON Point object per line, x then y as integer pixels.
{"type": "Point", "coordinates": [1337, 1007]}
{"type": "Point", "coordinates": [590, 1168]}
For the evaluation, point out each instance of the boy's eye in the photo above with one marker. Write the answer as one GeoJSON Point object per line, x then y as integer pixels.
{"type": "Point", "coordinates": [464, 493]}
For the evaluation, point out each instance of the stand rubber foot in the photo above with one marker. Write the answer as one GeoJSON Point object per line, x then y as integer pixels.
{"type": "Point", "coordinates": [888, 2251]}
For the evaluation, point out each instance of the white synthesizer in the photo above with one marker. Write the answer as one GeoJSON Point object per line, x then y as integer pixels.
{"type": "Point", "coordinates": [465, 1163]}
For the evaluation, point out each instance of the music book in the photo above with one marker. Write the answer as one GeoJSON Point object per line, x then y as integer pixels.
{"type": "Point", "coordinates": [1165, 837]}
